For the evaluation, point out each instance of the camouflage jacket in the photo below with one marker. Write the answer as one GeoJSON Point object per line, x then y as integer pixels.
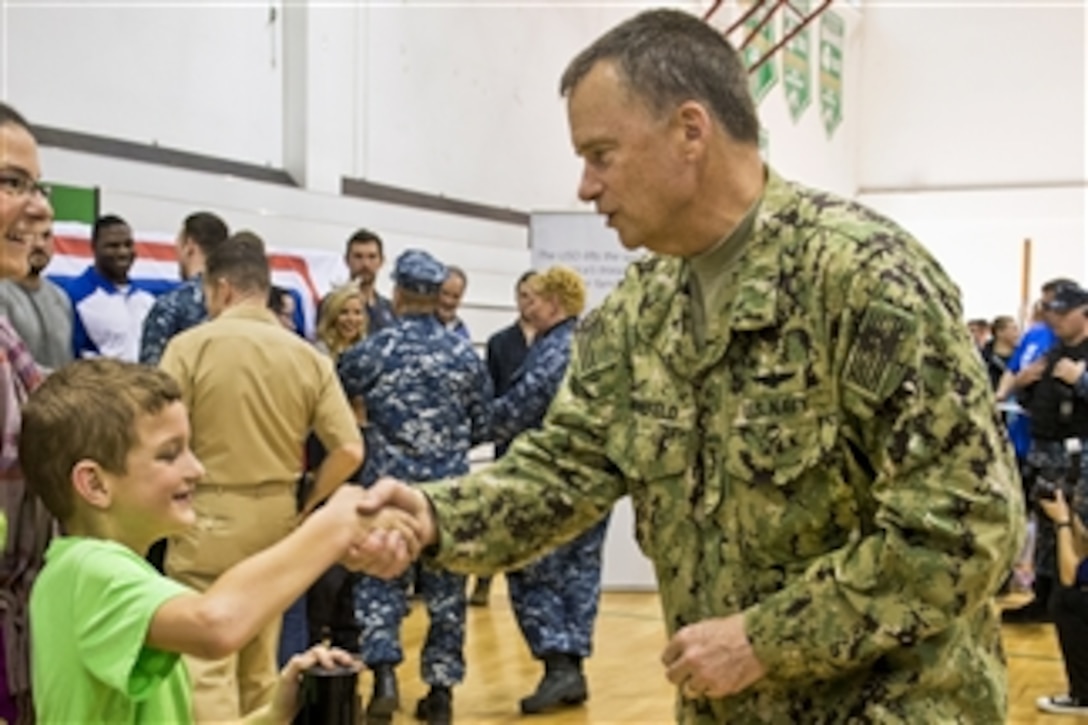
{"type": "Point", "coordinates": [426, 393]}
{"type": "Point", "coordinates": [173, 312]}
{"type": "Point", "coordinates": [830, 464]}
{"type": "Point", "coordinates": [523, 406]}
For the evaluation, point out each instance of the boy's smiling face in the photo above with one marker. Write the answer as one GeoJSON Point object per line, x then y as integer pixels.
{"type": "Point", "coordinates": [153, 498]}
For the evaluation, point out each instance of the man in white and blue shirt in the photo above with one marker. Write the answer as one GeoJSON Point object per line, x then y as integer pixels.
{"type": "Point", "coordinates": [109, 308]}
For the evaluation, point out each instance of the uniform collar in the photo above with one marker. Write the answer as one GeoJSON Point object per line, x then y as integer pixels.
{"type": "Point", "coordinates": [247, 311]}
{"type": "Point", "coordinates": [566, 323]}
{"type": "Point", "coordinates": [100, 280]}
{"type": "Point", "coordinates": [664, 314]}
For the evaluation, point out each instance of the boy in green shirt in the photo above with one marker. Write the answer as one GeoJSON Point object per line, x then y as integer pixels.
{"type": "Point", "coordinates": [105, 444]}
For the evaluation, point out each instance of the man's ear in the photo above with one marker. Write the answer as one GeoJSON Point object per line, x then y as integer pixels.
{"type": "Point", "coordinates": [695, 124]}
{"type": "Point", "coordinates": [90, 484]}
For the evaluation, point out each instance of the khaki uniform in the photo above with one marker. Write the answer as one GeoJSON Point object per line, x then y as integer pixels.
{"type": "Point", "coordinates": [828, 463]}
{"type": "Point", "coordinates": [254, 392]}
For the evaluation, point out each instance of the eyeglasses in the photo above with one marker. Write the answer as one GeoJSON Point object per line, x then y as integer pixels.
{"type": "Point", "coordinates": [15, 184]}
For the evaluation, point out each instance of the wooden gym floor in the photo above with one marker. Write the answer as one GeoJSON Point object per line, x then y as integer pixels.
{"type": "Point", "coordinates": [625, 680]}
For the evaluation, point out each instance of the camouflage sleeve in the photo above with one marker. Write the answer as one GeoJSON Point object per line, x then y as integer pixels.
{"type": "Point", "coordinates": [479, 394]}
{"type": "Point", "coordinates": [358, 369]}
{"type": "Point", "coordinates": [938, 492]}
{"type": "Point", "coordinates": [159, 327]}
{"type": "Point", "coordinates": [553, 483]}
{"type": "Point", "coordinates": [526, 402]}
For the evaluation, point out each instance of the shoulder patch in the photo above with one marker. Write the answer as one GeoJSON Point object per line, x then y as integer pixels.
{"type": "Point", "coordinates": [874, 366]}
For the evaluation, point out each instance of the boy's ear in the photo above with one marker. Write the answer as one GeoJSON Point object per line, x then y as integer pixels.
{"type": "Point", "coordinates": [90, 483]}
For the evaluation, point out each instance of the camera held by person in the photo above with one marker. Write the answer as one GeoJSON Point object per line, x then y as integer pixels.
{"type": "Point", "coordinates": [1047, 489]}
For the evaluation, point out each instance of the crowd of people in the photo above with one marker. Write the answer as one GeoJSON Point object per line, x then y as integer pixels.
{"type": "Point", "coordinates": [1038, 380]}
{"type": "Point", "coordinates": [400, 374]}
{"type": "Point", "coordinates": [784, 387]}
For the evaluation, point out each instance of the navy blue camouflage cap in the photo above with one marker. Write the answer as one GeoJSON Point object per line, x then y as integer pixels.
{"type": "Point", "coordinates": [417, 271]}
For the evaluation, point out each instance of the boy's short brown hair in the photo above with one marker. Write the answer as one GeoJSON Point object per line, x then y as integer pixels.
{"type": "Point", "coordinates": [86, 410]}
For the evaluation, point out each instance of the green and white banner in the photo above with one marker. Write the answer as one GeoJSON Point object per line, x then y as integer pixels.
{"type": "Point", "coordinates": [762, 80]}
{"type": "Point", "coordinates": [832, 33]}
{"type": "Point", "coordinates": [797, 60]}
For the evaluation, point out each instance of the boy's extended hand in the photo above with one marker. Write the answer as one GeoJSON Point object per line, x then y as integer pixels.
{"type": "Point", "coordinates": [285, 703]}
{"type": "Point", "coordinates": [389, 494]}
{"type": "Point", "coordinates": [383, 543]}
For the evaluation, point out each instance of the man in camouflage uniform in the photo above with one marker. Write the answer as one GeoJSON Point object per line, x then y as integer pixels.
{"type": "Point", "coordinates": [183, 307]}
{"type": "Point", "coordinates": [789, 396]}
{"type": "Point", "coordinates": [426, 392]}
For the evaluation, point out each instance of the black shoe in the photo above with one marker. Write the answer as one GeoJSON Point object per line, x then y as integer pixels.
{"type": "Point", "coordinates": [1063, 705]}
{"type": "Point", "coordinates": [384, 700]}
{"type": "Point", "coordinates": [563, 685]}
{"type": "Point", "coordinates": [1031, 613]}
{"type": "Point", "coordinates": [481, 593]}
{"type": "Point", "coordinates": [437, 707]}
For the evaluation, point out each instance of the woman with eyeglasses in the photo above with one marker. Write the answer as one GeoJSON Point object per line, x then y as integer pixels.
{"type": "Point", "coordinates": [28, 526]}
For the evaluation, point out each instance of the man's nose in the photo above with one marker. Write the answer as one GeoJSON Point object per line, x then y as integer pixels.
{"type": "Point", "coordinates": [589, 187]}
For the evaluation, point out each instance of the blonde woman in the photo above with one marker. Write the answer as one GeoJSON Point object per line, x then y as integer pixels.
{"type": "Point", "coordinates": [554, 598]}
{"type": "Point", "coordinates": [342, 322]}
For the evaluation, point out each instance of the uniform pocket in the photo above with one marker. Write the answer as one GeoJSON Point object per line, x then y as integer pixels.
{"type": "Point", "coordinates": [792, 499]}
{"type": "Point", "coordinates": [655, 455]}
{"type": "Point", "coordinates": [779, 450]}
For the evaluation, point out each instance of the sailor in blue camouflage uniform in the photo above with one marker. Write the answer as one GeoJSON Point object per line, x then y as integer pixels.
{"type": "Point", "coordinates": [554, 598]}
{"type": "Point", "coordinates": [426, 395]}
{"type": "Point", "coordinates": [182, 307]}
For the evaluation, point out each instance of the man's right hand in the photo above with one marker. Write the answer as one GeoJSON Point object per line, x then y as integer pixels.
{"type": "Point", "coordinates": [391, 493]}
{"type": "Point", "coordinates": [382, 544]}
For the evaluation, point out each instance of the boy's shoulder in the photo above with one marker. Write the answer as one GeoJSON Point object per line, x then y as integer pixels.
{"type": "Point", "coordinates": [85, 558]}
{"type": "Point", "coordinates": [91, 561]}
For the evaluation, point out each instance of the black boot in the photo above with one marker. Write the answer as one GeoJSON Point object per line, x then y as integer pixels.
{"type": "Point", "coordinates": [437, 707]}
{"type": "Point", "coordinates": [563, 684]}
{"type": "Point", "coordinates": [384, 700]}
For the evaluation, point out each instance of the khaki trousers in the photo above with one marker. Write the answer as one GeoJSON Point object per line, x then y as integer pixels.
{"type": "Point", "coordinates": [233, 523]}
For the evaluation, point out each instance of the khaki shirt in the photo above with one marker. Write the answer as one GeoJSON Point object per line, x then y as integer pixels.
{"type": "Point", "coordinates": [254, 392]}
{"type": "Point", "coordinates": [830, 464]}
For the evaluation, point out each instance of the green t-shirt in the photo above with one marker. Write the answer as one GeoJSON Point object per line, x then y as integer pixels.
{"type": "Point", "coordinates": [90, 610]}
